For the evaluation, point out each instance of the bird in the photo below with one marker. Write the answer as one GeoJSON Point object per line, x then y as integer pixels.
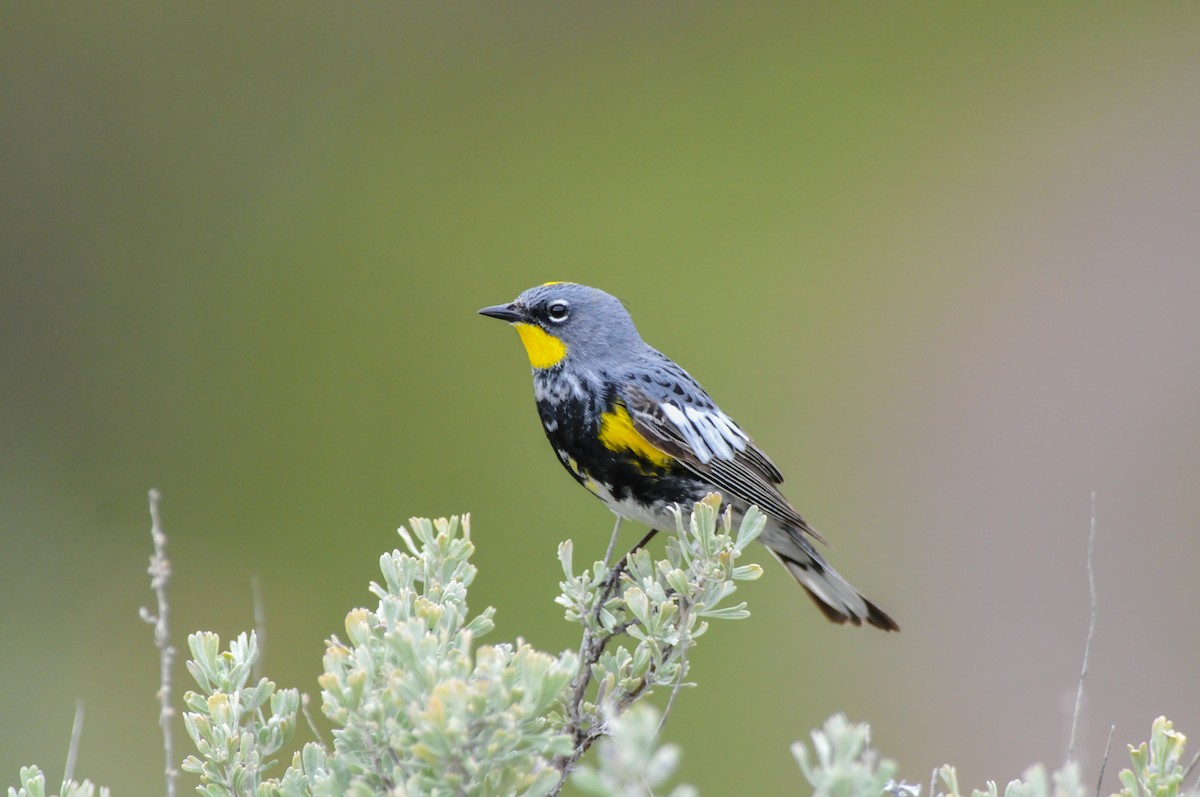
{"type": "Point", "coordinates": [637, 431]}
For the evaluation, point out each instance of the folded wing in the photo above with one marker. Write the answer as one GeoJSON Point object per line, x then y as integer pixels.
{"type": "Point", "coordinates": [711, 445]}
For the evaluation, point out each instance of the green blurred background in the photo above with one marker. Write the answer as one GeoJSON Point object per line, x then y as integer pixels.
{"type": "Point", "coordinates": [940, 259]}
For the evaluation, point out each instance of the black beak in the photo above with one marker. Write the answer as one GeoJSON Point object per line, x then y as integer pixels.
{"type": "Point", "coordinates": [505, 312]}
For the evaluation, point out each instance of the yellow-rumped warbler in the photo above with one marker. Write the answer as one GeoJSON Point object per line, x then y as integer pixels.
{"type": "Point", "coordinates": [639, 433]}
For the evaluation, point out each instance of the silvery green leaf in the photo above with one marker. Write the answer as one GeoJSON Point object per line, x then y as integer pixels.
{"type": "Point", "coordinates": [752, 525]}
{"type": "Point", "coordinates": [257, 696]}
{"type": "Point", "coordinates": [677, 580]}
{"type": "Point", "coordinates": [566, 550]}
{"type": "Point", "coordinates": [638, 603]}
{"type": "Point", "coordinates": [738, 612]}
{"type": "Point", "coordinates": [608, 620]}
{"type": "Point", "coordinates": [748, 572]}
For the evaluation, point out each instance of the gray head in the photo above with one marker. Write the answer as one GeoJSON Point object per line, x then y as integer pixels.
{"type": "Point", "coordinates": [564, 320]}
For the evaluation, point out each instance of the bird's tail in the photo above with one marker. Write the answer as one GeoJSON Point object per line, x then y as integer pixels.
{"type": "Point", "coordinates": [834, 595]}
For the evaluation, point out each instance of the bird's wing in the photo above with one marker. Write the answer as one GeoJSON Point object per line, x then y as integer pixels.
{"type": "Point", "coordinates": [711, 445]}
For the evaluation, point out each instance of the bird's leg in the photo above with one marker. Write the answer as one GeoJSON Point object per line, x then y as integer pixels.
{"type": "Point", "coordinates": [612, 542]}
{"type": "Point", "coordinates": [614, 574]}
{"type": "Point", "coordinates": [640, 545]}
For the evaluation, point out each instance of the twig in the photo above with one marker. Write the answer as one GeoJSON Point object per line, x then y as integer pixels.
{"type": "Point", "coordinates": [933, 783]}
{"type": "Point", "coordinates": [1104, 763]}
{"type": "Point", "coordinates": [260, 625]}
{"type": "Point", "coordinates": [73, 747]}
{"type": "Point", "coordinates": [683, 668]}
{"type": "Point", "coordinates": [612, 541]}
{"type": "Point", "coordinates": [312, 726]}
{"type": "Point", "coordinates": [1087, 648]}
{"type": "Point", "coordinates": [1190, 767]}
{"type": "Point", "coordinates": [614, 574]}
{"type": "Point", "coordinates": [588, 643]}
{"type": "Point", "coordinates": [590, 650]}
{"type": "Point", "coordinates": [160, 574]}
{"type": "Point", "coordinates": [592, 646]}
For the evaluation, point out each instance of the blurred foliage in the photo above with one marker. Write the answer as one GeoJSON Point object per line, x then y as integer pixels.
{"type": "Point", "coordinates": [845, 766]}
{"type": "Point", "coordinates": [33, 784]}
{"type": "Point", "coordinates": [842, 763]}
{"type": "Point", "coordinates": [1158, 769]}
{"type": "Point", "coordinates": [629, 760]}
{"type": "Point", "coordinates": [1033, 783]}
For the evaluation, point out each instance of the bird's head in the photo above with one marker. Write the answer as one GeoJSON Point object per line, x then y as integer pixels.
{"type": "Point", "coordinates": [561, 320]}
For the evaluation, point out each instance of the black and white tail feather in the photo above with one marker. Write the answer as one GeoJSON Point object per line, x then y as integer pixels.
{"type": "Point", "coordinates": [837, 599]}
{"type": "Point", "coordinates": [689, 426]}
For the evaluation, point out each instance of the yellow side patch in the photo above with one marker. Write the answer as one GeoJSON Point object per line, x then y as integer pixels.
{"type": "Point", "coordinates": [544, 350]}
{"type": "Point", "coordinates": [617, 434]}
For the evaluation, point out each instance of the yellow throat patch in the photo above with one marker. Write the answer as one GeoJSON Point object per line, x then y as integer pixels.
{"type": "Point", "coordinates": [544, 350]}
{"type": "Point", "coordinates": [617, 433]}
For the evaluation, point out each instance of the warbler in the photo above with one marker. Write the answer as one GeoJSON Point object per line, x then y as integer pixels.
{"type": "Point", "coordinates": [640, 433]}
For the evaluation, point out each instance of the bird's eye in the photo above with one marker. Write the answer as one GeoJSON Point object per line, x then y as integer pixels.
{"type": "Point", "coordinates": [558, 311]}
